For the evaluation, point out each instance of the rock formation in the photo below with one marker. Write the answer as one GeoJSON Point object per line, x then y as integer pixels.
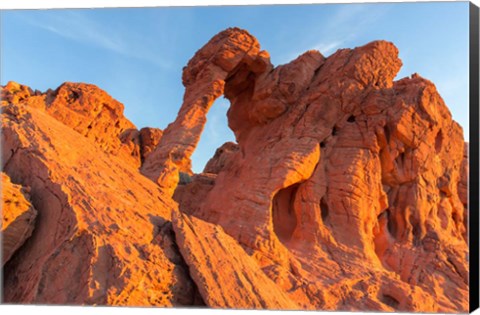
{"type": "Point", "coordinates": [346, 190]}
{"type": "Point", "coordinates": [226, 276]}
{"type": "Point", "coordinates": [91, 112]}
{"type": "Point", "coordinates": [204, 78]}
{"type": "Point", "coordinates": [18, 218]}
{"type": "Point", "coordinates": [103, 233]}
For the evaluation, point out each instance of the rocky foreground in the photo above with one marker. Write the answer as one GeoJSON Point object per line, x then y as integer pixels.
{"type": "Point", "coordinates": [344, 190]}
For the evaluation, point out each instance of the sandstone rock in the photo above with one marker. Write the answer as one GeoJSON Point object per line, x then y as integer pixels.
{"type": "Point", "coordinates": [86, 109]}
{"type": "Point", "coordinates": [140, 143]}
{"type": "Point", "coordinates": [346, 190]}
{"type": "Point", "coordinates": [190, 196]}
{"type": "Point", "coordinates": [231, 51]}
{"type": "Point", "coordinates": [15, 93]}
{"type": "Point", "coordinates": [103, 233]}
{"type": "Point", "coordinates": [18, 218]}
{"type": "Point", "coordinates": [149, 139]}
{"type": "Point", "coordinates": [225, 275]}
{"type": "Point", "coordinates": [336, 184]}
{"type": "Point", "coordinates": [222, 156]}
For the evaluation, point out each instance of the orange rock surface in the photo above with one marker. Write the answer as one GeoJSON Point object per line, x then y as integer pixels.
{"type": "Point", "coordinates": [103, 233]}
{"type": "Point", "coordinates": [227, 277]}
{"type": "Point", "coordinates": [345, 189]}
{"type": "Point", "coordinates": [18, 218]}
{"type": "Point", "coordinates": [336, 165]}
{"type": "Point", "coordinates": [204, 79]}
{"type": "Point", "coordinates": [91, 112]}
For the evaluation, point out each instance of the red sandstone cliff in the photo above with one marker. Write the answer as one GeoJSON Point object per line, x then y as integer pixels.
{"type": "Point", "coordinates": [346, 190]}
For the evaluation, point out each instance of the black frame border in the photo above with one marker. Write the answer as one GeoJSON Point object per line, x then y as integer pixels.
{"type": "Point", "coordinates": [473, 203]}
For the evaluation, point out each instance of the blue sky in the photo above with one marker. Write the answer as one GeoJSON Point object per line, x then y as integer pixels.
{"type": "Point", "coordinates": [137, 55]}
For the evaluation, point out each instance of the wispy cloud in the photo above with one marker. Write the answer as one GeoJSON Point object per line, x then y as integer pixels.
{"type": "Point", "coordinates": [78, 27]}
{"type": "Point", "coordinates": [328, 47]}
{"type": "Point", "coordinates": [213, 132]}
{"type": "Point", "coordinates": [340, 29]}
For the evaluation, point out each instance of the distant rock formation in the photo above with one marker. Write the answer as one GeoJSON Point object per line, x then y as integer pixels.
{"type": "Point", "coordinates": [346, 190]}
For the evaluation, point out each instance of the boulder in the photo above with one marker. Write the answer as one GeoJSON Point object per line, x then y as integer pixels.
{"type": "Point", "coordinates": [226, 276]}
{"type": "Point", "coordinates": [18, 217]}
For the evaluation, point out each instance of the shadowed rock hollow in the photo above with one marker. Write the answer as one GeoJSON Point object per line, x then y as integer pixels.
{"type": "Point", "coordinates": [345, 190]}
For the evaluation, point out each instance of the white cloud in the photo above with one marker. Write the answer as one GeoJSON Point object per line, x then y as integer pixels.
{"type": "Point", "coordinates": [330, 47]}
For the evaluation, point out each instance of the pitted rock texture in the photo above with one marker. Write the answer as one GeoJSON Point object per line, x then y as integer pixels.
{"type": "Point", "coordinates": [103, 233]}
{"type": "Point", "coordinates": [18, 217]}
{"type": "Point", "coordinates": [345, 189]}
{"type": "Point", "coordinates": [335, 186]}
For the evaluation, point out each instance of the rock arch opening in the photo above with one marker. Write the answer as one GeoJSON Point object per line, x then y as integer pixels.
{"type": "Point", "coordinates": [218, 67]}
{"type": "Point", "coordinates": [215, 133]}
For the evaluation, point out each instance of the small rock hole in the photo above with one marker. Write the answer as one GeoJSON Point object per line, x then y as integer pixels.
{"type": "Point", "coordinates": [390, 301]}
{"type": "Point", "coordinates": [391, 224]}
{"type": "Point", "coordinates": [283, 214]}
{"type": "Point", "coordinates": [334, 131]}
{"type": "Point", "coordinates": [324, 211]}
{"type": "Point", "coordinates": [75, 95]}
{"type": "Point", "coordinates": [387, 133]}
{"type": "Point", "coordinates": [351, 119]}
{"type": "Point", "coordinates": [438, 142]}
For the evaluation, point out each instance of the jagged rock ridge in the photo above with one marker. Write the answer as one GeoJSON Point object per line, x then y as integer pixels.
{"type": "Point", "coordinates": [345, 188]}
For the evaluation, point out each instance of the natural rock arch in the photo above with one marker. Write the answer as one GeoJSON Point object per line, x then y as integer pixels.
{"type": "Point", "coordinates": [353, 144]}
{"type": "Point", "coordinates": [343, 189]}
{"type": "Point", "coordinates": [230, 54]}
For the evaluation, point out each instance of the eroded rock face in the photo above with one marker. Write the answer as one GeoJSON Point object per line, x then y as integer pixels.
{"type": "Point", "coordinates": [103, 233]}
{"type": "Point", "coordinates": [92, 113]}
{"type": "Point", "coordinates": [18, 217]}
{"type": "Point", "coordinates": [149, 139]}
{"type": "Point", "coordinates": [344, 186]}
{"type": "Point", "coordinates": [190, 196]}
{"type": "Point", "coordinates": [204, 78]}
{"type": "Point", "coordinates": [346, 190]}
{"type": "Point", "coordinates": [226, 276]}
{"type": "Point", "coordinates": [221, 158]}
